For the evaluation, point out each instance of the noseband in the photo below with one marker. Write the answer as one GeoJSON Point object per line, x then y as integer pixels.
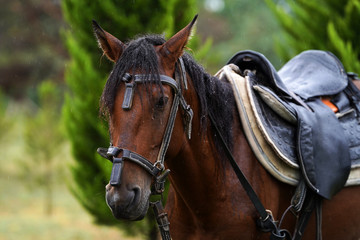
{"type": "Point", "coordinates": [154, 169]}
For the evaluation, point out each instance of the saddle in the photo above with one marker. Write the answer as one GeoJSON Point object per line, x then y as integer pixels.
{"type": "Point", "coordinates": [303, 121]}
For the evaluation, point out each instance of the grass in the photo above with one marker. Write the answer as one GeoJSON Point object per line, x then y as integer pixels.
{"type": "Point", "coordinates": [22, 216]}
{"type": "Point", "coordinates": [22, 211]}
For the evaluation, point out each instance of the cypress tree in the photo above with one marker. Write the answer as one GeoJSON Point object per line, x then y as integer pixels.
{"type": "Point", "coordinates": [85, 76]}
{"type": "Point", "coordinates": [330, 25]}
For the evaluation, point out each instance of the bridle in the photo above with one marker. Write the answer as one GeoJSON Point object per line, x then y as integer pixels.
{"type": "Point", "coordinates": [157, 169]}
{"type": "Point", "coordinates": [266, 221]}
{"type": "Point", "coordinates": [154, 169]}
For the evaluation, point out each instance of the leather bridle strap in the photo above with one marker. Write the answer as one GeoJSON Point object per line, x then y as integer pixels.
{"type": "Point", "coordinates": [155, 169]}
{"type": "Point", "coordinates": [112, 153]}
{"type": "Point", "coordinates": [266, 221]}
{"type": "Point", "coordinates": [178, 100]}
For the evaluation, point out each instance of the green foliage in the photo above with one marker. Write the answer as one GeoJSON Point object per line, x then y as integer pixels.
{"type": "Point", "coordinates": [85, 77]}
{"type": "Point", "coordinates": [43, 139]}
{"type": "Point", "coordinates": [30, 48]}
{"type": "Point", "coordinates": [322, 24]}
{"type": "Point", "coordinates": [5, 123]}
{"type": "Point", "coordinates": [236, 26]}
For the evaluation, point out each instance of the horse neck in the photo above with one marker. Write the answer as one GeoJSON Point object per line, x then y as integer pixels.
{"type": "Point", "coordinates": [201, 178]}
{"type": "Point", "coordinates": [197, 172]}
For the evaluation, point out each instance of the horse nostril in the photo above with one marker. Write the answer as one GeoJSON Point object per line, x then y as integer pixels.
{"type": "Point", "coordinates": [137, 194]}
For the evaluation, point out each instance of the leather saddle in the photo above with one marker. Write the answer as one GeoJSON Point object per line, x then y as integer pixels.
{"type": "Point", "coordinates": [288, 121]}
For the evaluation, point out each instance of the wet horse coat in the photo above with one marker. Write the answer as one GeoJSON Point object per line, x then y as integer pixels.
{"type": "Point", "coordinates": [206, 200]}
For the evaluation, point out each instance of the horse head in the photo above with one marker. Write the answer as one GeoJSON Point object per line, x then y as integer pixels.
{"type": "Point", "coordinates": [141, 99]}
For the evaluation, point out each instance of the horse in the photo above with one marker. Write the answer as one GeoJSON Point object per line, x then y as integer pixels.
{"type": "Point", "coordinates": [205, 198]}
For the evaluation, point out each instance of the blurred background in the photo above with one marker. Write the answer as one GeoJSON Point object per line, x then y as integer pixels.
{"type": "Point", "coordinates": [52, 74]}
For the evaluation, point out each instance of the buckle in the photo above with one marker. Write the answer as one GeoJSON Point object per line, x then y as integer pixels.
{"type": "Point", "coordinates": [159, 184]}
{"type": "Point", "coordinates": [108, 153]}
{"type": "Point", "coordinates": [159, 165]}
{"type": "Point", "coordinates": [103, 152]}
{"type": "Point", "coordinates": [266, 224]}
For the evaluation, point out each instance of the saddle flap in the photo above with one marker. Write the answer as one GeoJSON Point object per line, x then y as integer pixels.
{"type": "Point", "coordinates": [323, 150]}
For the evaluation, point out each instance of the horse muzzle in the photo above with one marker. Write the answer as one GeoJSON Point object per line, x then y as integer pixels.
{"type": "Point", "coordinates": [127, 202]}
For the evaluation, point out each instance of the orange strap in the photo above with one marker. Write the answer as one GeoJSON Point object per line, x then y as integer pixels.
{"type": "Point", "coordinates": [328, 103]}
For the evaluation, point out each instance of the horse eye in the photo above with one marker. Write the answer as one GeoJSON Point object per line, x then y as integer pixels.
{"type": "Point", "coordinates": [162, 102]}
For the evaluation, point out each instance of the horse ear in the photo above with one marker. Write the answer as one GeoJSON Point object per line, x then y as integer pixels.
{"type": "Point", "coordinates": [173, 48]}
{"type": "Point", "coordinates": [111, 46]}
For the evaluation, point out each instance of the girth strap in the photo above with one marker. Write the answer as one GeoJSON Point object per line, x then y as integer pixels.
{"type": "Point", "coordinates": [312, 202]}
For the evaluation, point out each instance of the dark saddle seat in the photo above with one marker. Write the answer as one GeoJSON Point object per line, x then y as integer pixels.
{"type": "Point", "coordinates": [297, 124]}
{"type": "Point", "coordinates": [314, 73]}
{"type": "Point", "coordinates": [309, 74]}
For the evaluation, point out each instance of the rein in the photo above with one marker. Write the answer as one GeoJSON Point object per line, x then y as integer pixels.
{"type": "Point", "coordinates": [266, 222]}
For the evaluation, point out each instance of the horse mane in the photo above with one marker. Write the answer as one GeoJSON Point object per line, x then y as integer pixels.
{"type": "Point", "coordinates": [215, 96]}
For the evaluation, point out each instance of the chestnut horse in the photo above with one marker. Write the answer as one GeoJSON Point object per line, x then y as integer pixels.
{"type": "Point", "coordinates": [206, 199]}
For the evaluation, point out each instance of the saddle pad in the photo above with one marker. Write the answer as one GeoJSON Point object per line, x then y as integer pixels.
{"type": "Point", "coordinates": [278, 159]}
